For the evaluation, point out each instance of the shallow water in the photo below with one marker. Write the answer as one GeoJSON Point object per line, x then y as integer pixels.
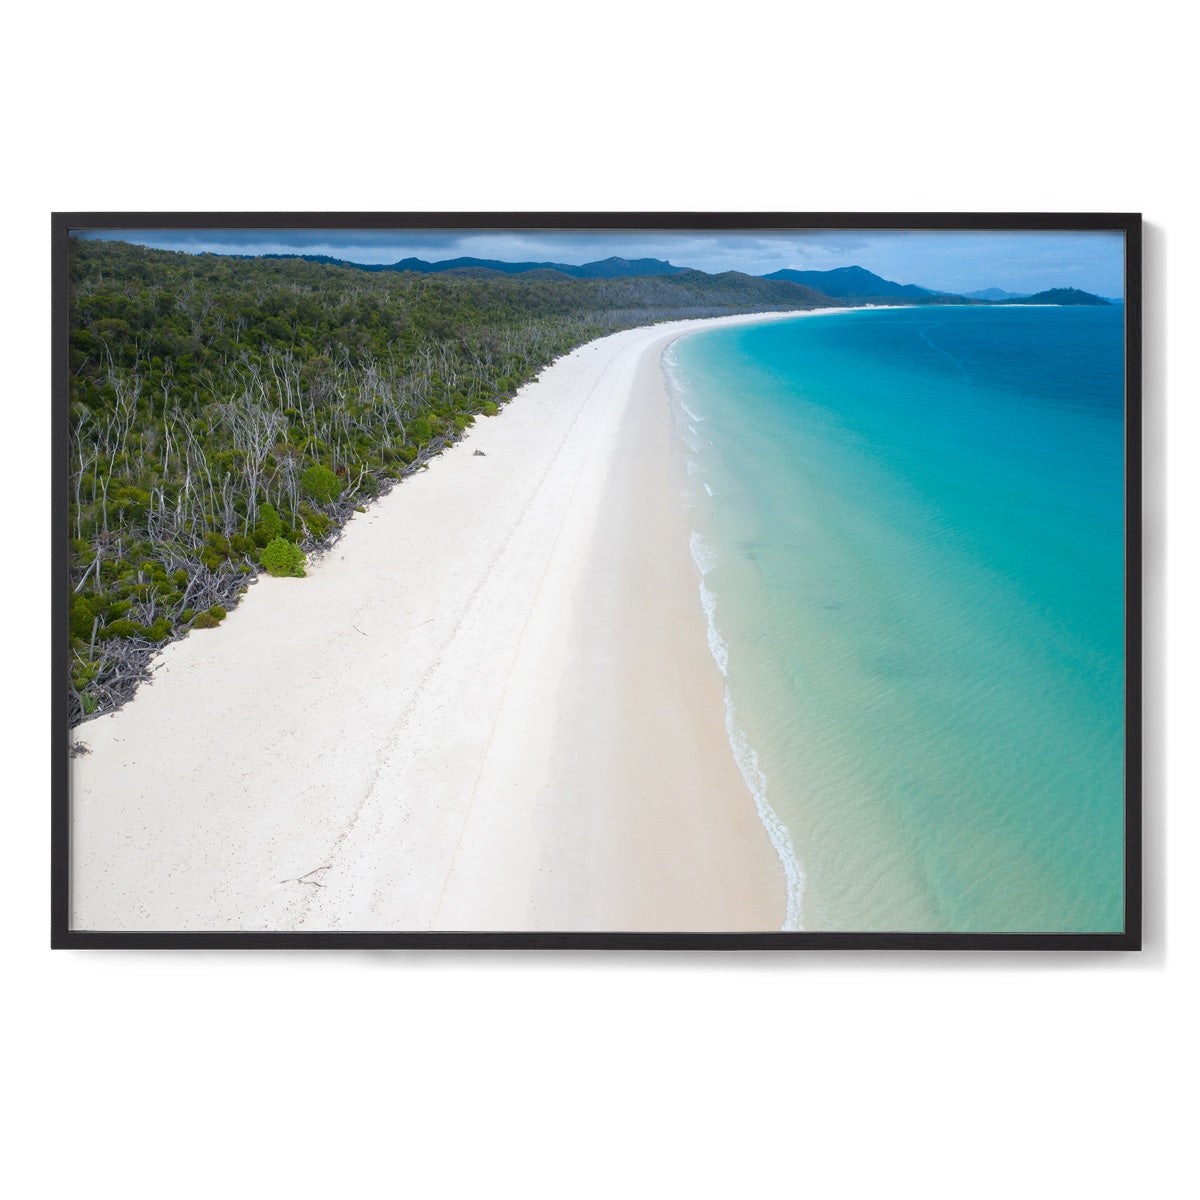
{"type": "Point", "coordinates": [909, 524]}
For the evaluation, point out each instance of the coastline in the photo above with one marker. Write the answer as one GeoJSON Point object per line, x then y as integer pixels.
{"type": "Point", "coordinates": [490, 706]}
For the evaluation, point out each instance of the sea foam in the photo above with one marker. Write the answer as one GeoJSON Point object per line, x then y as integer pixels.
{"type": "Point", "coordinates": [705, 558]}
{"type": "Point", "coordinates": [703, 555]}
{"type": "Point", "coordinates": [670, 366]}
{"type": "Point", "coordinates": [716, 643]}
{"type": "Point", "coordinates": [777, 832]}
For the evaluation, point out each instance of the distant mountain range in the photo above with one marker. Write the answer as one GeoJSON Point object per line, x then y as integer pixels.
{"type": "Point", "coordinates": [857, 283]}
{"type": "Point", "coordinates": [841, 283]}
{"type": "Point", "coordinates": [607, 268]}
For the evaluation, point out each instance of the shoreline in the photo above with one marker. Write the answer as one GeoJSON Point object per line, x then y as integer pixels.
{"type": "Point", "coordinates": [469, 716]}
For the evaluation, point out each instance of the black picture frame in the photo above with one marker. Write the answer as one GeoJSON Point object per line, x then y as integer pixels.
{"type": "Point", "coordinates": [65, 937]}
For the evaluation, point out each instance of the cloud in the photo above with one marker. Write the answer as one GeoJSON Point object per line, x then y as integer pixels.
{"type": "Point", "coordinates": [955, 261]}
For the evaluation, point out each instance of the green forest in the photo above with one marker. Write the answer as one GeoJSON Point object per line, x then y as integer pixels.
{"type": "Point", "coordinates": [229, 415]}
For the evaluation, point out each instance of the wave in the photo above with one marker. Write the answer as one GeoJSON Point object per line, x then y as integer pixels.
{"type": "Point", "coordinates": [755, 779]}
{"type": "Point", "coordinates": [703, 555]}
{"type": "Point", "coordinates": [705, 558]}
{"type": "Point", "coordinates": [670, 365]}
{"type": "Point", "coordinates": [716, 643]}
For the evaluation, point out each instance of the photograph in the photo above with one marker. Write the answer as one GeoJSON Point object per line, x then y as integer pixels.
{"type": "Point", "coordinates": [696, 580]}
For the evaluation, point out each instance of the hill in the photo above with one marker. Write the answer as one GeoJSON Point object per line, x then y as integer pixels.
{"type": "Point", "coordinates": [852, 283]}
{"type": "Point", "coordinates": [1068, 296]}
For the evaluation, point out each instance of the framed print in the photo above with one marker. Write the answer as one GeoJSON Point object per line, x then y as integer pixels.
{"type": "Point", "coordinates": [677, 580]}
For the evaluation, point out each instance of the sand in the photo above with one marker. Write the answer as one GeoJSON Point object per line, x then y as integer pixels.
{"type": "Point", "coordinates": [490, 706]}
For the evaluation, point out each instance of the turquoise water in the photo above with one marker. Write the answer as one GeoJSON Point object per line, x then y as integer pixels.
{"type": "Point", "coordinates": [910, 529]}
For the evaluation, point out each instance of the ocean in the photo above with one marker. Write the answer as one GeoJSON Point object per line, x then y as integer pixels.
{"type": "Point", "coordinates": [909, 530]}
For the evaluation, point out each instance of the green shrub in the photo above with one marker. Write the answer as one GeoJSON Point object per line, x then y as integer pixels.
{"type": "Point", "coordinates": [217, 612]}
{"type": "Point", "coordinates": [281, 557]}
{"type": "Point", "coordinates": [317, 523]}
{"type": "Point", "coordinates": [490, 408]}
{"type": "Point", "coordinates": [216, 550]}
{"type": "Point", "coordinates": [270, 524]}
{"type": "Point", "coordinates": [320, 484]}
{"type": "Point", "coordinates": [205, 620]}
{"type": "Point", "coordinates": [82, 673]}
{"type": "Point", "coordinates": [82, 616]}
{"type": "Point", "coordinates": [158, 632]}
{"type": "Point", "coordinates": [123, 627]}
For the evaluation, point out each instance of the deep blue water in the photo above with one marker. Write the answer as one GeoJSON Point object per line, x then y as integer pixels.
{"type": "Point", "coordinates": [910, 523]}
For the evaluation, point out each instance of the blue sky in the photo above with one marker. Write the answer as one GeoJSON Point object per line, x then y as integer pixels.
{"type": "Point", "coordinates": [946, 261]}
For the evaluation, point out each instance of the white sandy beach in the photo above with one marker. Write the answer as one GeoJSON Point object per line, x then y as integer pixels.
{"type": "Point", "coordinates": [490, 707]}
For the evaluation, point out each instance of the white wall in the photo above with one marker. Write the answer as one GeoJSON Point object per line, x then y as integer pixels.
{"type": "Point", "coordinates": [179, 1075]}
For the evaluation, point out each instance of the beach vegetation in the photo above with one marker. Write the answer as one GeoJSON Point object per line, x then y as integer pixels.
{"type": "Point", "coordinates": [270, 524]}
{"type": "Point", "coordinates": [316, 523]}
{"type": "Point", "coordinates": [228, 415]}
{"type": "Point", "coordinates": [321, 484]}
{"type": "Point", "coordinates": [283, 558]}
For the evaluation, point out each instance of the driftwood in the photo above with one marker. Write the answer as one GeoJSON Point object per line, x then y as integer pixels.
{"type": "Point", "coordinates": [126, 662]}
{"type": "Point", "coordinates": [305, 877]}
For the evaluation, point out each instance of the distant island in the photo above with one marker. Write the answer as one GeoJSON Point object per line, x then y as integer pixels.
{"type": "Point", "coordinates": [1058, 296]}
{"type": "Point", "coordinates": [995, 293]}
